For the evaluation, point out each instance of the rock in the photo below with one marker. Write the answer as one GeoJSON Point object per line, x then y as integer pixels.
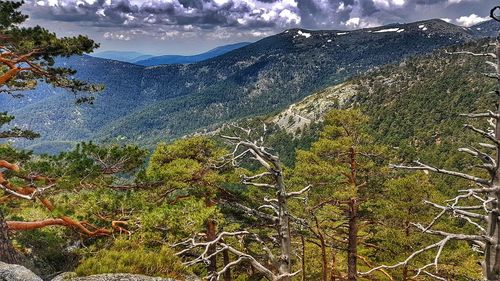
{"type": "Point", "coordinates": [108, 277]}
{"type": "Point", "coordinates": [64, 276]}
{"type": "Point", "coordinates": [14, 272]}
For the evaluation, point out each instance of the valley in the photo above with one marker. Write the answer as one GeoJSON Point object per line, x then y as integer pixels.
{"type": "Point", "coordinates": [150, 104]}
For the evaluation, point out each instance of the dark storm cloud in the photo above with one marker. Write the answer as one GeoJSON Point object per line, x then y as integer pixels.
{"type": "Point", "coordinates": [162, 17]}
{"type": "Point", "coordinates": [368, 8]}
{"type": "Point", "coordinates": [204, 13]}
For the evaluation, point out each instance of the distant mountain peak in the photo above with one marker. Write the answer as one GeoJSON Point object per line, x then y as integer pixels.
{"type": "Point", "coordinates": [179, 59]}
{"type": "Point", "coordinates": [486, 29]}
{"type": "Point", "coordinates": [124, 56]}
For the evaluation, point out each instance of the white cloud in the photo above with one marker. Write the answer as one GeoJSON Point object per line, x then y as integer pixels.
{"type": "Point", "coordinates": [385, 4]}
{"type": "Point", "coordinates": [116, 36]}
{"type": "Point", "coordinates": [355, 23]}
{"type": "Point", "coordinates": [460, 1]}
{"type": "Point", "coordinates": [206, 13]}
{"type": "Point", "coordinates": [100, 12]}
{"type": "Point", "coordinates": [470, 20]}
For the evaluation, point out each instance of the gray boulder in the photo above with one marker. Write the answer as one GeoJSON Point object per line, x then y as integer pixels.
{"type": "Point", "coordinates": [14, 272]}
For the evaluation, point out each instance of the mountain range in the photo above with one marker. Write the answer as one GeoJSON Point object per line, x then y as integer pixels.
{"type": "Point", "coordinates": [150, 60]}
{"type": "Point", "coordinates": [150, 104]}
{"type": "Point", "coordinates": [176, 59]}
{"type": "Point", "coordinates": [123, 56]}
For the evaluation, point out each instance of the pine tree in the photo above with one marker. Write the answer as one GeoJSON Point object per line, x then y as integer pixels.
{"type": "Point", "coordinates": [27, 55]}
{"type": "Point", "coordinates": [341, 166]}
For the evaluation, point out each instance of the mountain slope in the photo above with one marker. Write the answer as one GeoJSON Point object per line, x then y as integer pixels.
{"type": "Point", "coordinates": [175, 59]}
{"type": "Point", "coordinates": [124, 56]}
{"type": "Point", "coordinates": [486, 29]}
{"type": "Point", "coordinates": [164, 102]}
{"type": "Point", "coordinates": [417, 99]}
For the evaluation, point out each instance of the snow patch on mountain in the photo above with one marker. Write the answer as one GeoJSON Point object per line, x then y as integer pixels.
{"type": "Point", "coordinates": [305, 34]}
{"type": "Point", "coordinates": [397, 29]}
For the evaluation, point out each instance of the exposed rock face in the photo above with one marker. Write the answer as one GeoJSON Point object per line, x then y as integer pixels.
{"type": "Point", "coordinates": [12, 272]}
{"type": "Point", "coordinates": [311, 109]}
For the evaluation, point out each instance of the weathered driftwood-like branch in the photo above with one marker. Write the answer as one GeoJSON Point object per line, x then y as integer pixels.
{"type": "Point", "coordinates": [300, 192]}
{"type": "Point", "coordinates": [438, 245]}
{"type": "Point", "coordinates": [280, 219]}
{"type": "Point", "coordinates": [485, 216]}
{"type": "Point", "coordinates": [424, 167]}
{"type": "Point", "coordinates": [191, 244]}
{"type": "Point", "coordinates": [487, 114]}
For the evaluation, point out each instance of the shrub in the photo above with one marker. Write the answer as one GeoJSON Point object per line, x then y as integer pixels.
{"type": "Point", "coordinates": [127, 256]}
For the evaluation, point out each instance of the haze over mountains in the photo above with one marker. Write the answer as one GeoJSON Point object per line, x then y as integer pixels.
{"type": "Point", "coordinates": [123, 56]}
{"type": "Point", "coordinates": [150, 60]}
{"type": "Point", "coordinates": [150, 104]}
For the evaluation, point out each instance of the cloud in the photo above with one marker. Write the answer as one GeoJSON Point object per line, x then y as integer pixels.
{"type": "Point", "coordinates": [166, 19]}
{"type": "Point", "coordinates": [356, 23]}
{"type": "Point", "coordinates": [117, 36]}
{"type": "Point", "coordinates": [460, 1]}
{"type": "Point", "coordinates": [471, 20]}
{"type": "Point", "coordinates": [203, 13]}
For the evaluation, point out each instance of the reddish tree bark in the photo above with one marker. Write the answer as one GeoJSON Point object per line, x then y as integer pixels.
{"type": "Point", "coordinates": [7, 252]}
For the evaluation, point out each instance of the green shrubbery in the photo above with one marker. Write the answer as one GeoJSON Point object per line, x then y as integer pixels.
{"type": "Point", "coordinates": [128, 256]}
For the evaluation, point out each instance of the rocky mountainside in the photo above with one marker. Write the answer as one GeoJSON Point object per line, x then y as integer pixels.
{"type": "Point", "coordinates": [164, 102]}
{"type": "Point", "coordinates": [486, 29]}
{"type": "Point", "coordinates": [418, 98]}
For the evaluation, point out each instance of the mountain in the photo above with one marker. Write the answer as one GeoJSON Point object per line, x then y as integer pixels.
{"type": "Point", "coordinates": [149, 104]}
{"type": "Point", "coordinates": [131, 57]}
{"type": "Point", "coordinates": [421, 95]}
{"type": "Point", "coordinates": [175, 59]}
{"type": "Point", "coordinates": [414, 105]}
{"type": "Point", "coordinates": [486, 29]}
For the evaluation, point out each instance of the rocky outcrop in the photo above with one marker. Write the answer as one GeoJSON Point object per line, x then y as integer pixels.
{"type": "Point", "coordinates": [312, 109]}
{"type": "Point", "coordinates": [12, 272]}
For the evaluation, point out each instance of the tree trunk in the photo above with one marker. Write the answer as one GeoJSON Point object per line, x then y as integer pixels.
{"type": "Point", "coordinates": [284, 264]}
{"type": "Point", "coordinates": [225, 257]}
{"type": "Point", "coordinates": [324, 258]}
{"type": "Point", "coordinates": [491, 263]}
{"type": "Point", "coordinates": [7, 252]}
{"type": "Point", "coordinates": [303, 261]}
{"type": "Point", "coordinates": [211, 235]}
{"type": "Point", "coordinates": [407, 225]}
{"type": "Point", "coordinates": [334, 261]}
{"type": "Point", "coordinates": [352, 250]}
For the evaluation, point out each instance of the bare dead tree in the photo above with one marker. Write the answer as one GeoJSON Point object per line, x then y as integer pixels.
{"type": "Point", "coordinates": [478, 206]}
{"type": "Point", "coordinates": [278, 267]}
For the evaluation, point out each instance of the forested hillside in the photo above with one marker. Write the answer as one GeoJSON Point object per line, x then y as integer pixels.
{"type": "Point", "coordinates": [177, 59]}
{"type": "Point", "coordinates": [303, 160]}
{"type": "Point", "coordinates": [404, 111]}
{"type": "Point", "coordinates": [263, 77]}
{"type": "Point", "coordinates": [412, 104]}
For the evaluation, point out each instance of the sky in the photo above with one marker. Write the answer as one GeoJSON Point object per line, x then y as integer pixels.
{"type": "Point", "coordinates": [193, 26]}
